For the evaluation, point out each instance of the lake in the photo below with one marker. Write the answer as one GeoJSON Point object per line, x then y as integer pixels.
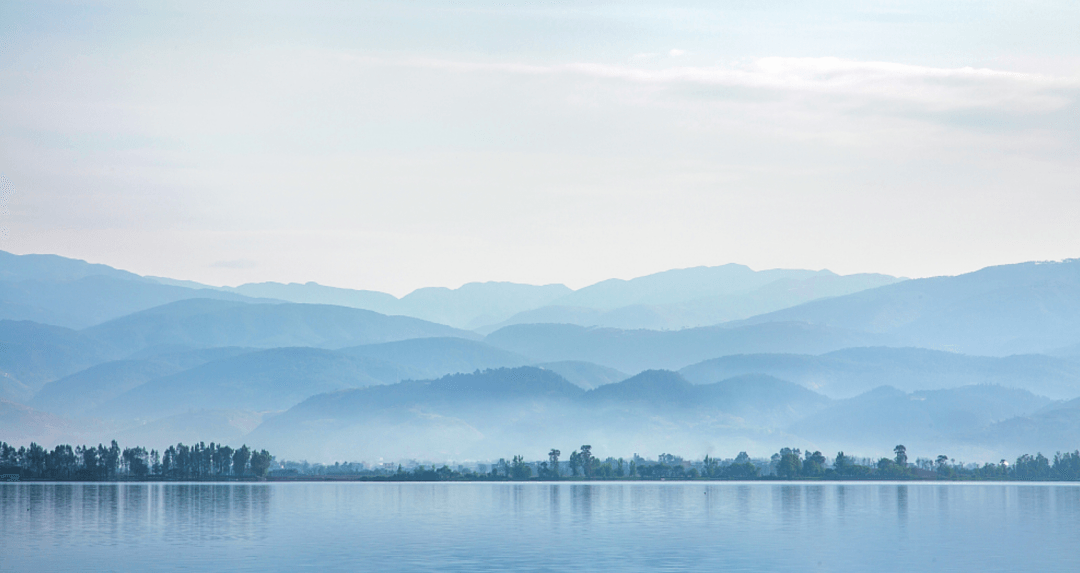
{"type": "Point", "coordinates": [641, 526]}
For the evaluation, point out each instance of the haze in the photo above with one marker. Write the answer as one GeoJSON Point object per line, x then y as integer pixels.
{"type": "Point", "coordinates": [391, 146]}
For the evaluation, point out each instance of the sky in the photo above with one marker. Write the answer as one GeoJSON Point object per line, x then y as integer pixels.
{"type": "Point", "coordinates": [397, 145]}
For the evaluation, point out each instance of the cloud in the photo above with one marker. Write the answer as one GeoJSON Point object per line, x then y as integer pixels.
{"type": "Point", "coordinates": [927, 88]}
{"type": "Point", "coordinates": [675, 52]}
{"type": "Point", "coordinates": [234, 264]}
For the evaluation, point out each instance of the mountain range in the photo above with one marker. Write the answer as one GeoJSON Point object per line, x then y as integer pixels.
{"type": "Point", "coordinates": [689, 361]}
{"type": "Point", "coordinates": [76, 294]}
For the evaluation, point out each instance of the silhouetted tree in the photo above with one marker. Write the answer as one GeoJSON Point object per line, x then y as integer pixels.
{"type": "Point", "coordinates": [240, 460]}
{"type": "Point", "coordinates": [789, 464]}
{"type": "Point", "coordinates": [519, 469]}
{"type": "Point", "coordinates": [813, 464]}
{"type": "Point", "coordinates": [135, 462]}
{"type": "Point", "coordinates": [260, 462]}
{"type": "Point", "coordinates": [710, 466]}
{"type": "Point", "coordinates": [901, 455]}
{"type": "Point", "coordinates": [553, 461]}
{"type": "Point", "coordinates": [575, 462]}
{"type": "Point", "coordinates": [587, 460]}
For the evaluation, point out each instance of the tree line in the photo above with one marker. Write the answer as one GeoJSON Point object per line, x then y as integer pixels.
{"type": "Point", "coordinates": [788, 463]}
{"type": "Point", "coordinates": [89, 463]}
{"type": "Point", "coordinates": [215, 461]}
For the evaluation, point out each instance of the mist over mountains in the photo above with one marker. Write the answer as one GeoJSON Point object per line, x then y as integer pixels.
{"type": "Point", "coordinates": [692, 361]}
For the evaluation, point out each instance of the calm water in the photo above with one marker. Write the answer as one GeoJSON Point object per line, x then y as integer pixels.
{"type": "Point", "coordinates": [539, 527]}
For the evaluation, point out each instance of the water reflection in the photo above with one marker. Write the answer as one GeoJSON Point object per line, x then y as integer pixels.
{"type": "Point", "coordinates": [1034, 502]}
{"type": "Point", "coordinates": [902, 504]}
{"type": "Point", "coordinates": [581, 501]}
{"type": "Point", "coordinates": [742, 494]}
{"type": "Point", "coordinates": [505, 527]}
{"type": "Point", "coordinates": [815, 502]}
{"type": "Point", "coordinates": [790, 507]}
{"type": "Point", "coordinates": [841, 499]}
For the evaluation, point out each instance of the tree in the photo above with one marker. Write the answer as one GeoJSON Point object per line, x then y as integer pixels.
{"type": "Point", "coordinates": [814, 465]}
{"type": "Point", "coordinates": [260, 462]}
{"type": "Point", "coordinates": [711, 467]}
{"type": "Point", "coordinates": [89, 460]}
{"type": "Point", "coordinates": [553, 461]}
{"type": "Point", "coordinates": [587, 460]}
{"type": "Point", "coordinates": [223, 459]}
{"type": "Point", "coordinates": [789, 464]}
{"type": "Point", "coordinates": [519, 469]}
{"type": "Point", "coordinates": [575, 462]}
{"type": "Point", "coordinates": [842, 464]}
{"type": "Point", "coordinates": [112, 459]}
{"type": "Point", "coordinates": [135, 461]}
{"type": "Point", "coordinates": [1030, 467]}
{"type": "Point", "coordinates": [742, 468]}
{"type": "Point", "coordinates": [943, 468]}
{"type": "Point", "coordinates": [901, 455]}
{"type": "Point", "coordinates": [35, 457]}
{"type": "Point", "coordinates": [240, 460]}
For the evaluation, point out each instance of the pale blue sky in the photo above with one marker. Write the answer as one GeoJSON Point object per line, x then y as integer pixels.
{"type": "Point", "coordinates": [393, 145]}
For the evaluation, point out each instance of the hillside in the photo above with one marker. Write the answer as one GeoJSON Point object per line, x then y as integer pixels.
{"type": "Point", "coordinates": [20, 425]}
{"type": "Point", "coordinates": [677, 285]}
{"type": "Point", "coordinates": [925, 421]}
{"type": "Point", "coordinates": [78, 393]}
{"type": "Point", "coordinates": [585, 375]}
{"type": "Point", "coordinates": [75, 294]}
{"type": "Point", "coordinates": [33, 354]}
{"type": "Point", "coordinates": [469, 306]}
{"type": "Point", "coordinates": [497, 413]}
{"type": "Point", "coordinates": [206, 323]}
{"type": "Point", "coordinates": [718, 304]}
{"type": "Point", "coordinates": [759, 400]}
{"type": "Point", "coordinates": [1010, 309]}
{"type": "Point", "coordinates": [849, 372]}
{"type": "Point", "coordinates": [435, 357]}
{"type": "Point", "coordinates": [262, 381]}
{"type": "Point", "coordinates": [637, 350]}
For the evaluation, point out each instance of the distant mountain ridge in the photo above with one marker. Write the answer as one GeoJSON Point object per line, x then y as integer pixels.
{"type": "Point", "coordinates": [66, 292]}
{"type": "Point", "coordinates": [54, 290]}
{"type": "Point", "coordinates": [1009, 309]}
{"type": "Point", "coordinates": [207, 322]}
{"type": "Point", "coordinates": [726, 305]}
{"type": "Point", "coordinates": [673, 299]}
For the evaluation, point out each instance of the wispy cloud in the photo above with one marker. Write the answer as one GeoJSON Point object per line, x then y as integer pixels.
{"type": "Point", "coordinates": [929, 88]}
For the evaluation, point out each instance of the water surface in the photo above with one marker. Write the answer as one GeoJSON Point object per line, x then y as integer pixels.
{"type": "Point", "coordinates": [644, 526]}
